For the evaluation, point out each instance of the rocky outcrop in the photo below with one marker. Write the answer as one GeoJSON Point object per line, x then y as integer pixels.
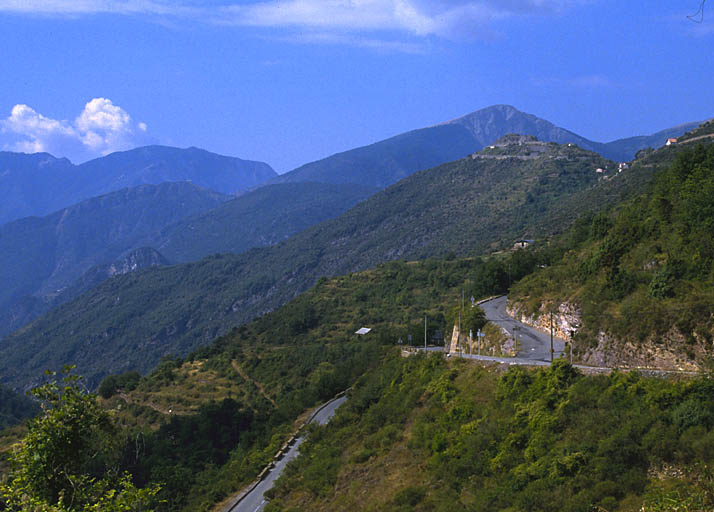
{"type": "Point", "coordinates": [662, 353]}
{"type": "Point", "coordinates": [136, 260]}
{"type": "Point", "coordinates": [567, 318]}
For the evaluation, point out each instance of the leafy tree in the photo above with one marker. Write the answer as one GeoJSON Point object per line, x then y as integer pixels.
{"type": "Point", "coordinates": [473, 318]}
{"type": "Point", "coordinates": [69, 459]}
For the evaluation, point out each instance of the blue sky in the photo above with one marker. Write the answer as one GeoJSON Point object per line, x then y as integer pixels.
{"type": "Point", "coordinates": [291, 81]}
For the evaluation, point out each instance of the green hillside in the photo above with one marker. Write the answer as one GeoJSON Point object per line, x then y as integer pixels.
{"type": "Point", "coordinates": [258, 218]}
{"type": "Point", "coordinates": [420, 433]}
{"type": "Point", "coordinates": [424, 434]}
{"type": "Point", "coordinates": [466, 207]}
{"type": "Point", "coordinates": [210, 422]}
{"type": "Point", "coordinates": [471, 206]}
{"type": "Point", "coordinates": [641, 275]}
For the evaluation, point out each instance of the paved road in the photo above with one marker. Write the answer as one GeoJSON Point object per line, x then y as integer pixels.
{"type": "Point", "coordinates": [255, 500]}
{"type": "Point", "coordinates": [535, 344]}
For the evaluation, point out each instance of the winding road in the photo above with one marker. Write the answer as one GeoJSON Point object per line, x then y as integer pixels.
{"type": "Point", "coordinates": [534, 344]}
{"type": "Point", "coordinates": [255, 500]}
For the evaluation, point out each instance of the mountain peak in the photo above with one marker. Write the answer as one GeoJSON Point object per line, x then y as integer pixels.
{"type": "Point", "coordinates": [504, 110]}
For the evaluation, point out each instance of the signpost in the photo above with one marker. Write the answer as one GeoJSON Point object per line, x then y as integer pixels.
{"type": "Point", "coordinates": [480, 335]}
{"type": "Point", "coordinates": [516, 328]}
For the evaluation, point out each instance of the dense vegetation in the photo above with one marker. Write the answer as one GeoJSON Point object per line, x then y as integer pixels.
{"type": "Point", "coordinates": [644, 271]}
{"type": "Point", "coordinates": [424, 434]}
{"type": "Point", "coordinates": [70, 458]}
{"type": "Point", "coordinates": [14, 408]}
{"type": "Point", "coordinates": [465, 207]}
{"type": "Point", "coordinates": [204, 425]}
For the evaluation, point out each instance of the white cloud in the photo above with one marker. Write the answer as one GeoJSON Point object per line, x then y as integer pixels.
{"type": "Point", "coordinates": [442, 18]}
{"type": "Point", "coordinates": [100, 128]}
{"type": "Point", "coordinates": [411, 18]}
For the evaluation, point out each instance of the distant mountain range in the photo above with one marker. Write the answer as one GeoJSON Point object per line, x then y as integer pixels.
{"type": "Point", "coordinates": [386, 162]}
{"type": "Point", "coordinates": [16, 313]}
{"type": "Point", "coordinates": [50, 260]}
{"type": "Point", "coordinates": [47, 261]}
{"type": "Point", "coordinates": [41, 256]}
{"type": "Point", "coordinates": [466, 207]}
{"type": "Point", "coordinates": [38, 184]}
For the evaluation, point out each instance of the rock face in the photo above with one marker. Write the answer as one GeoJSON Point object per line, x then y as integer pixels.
{"type": "Point", "coordinates": [567, 318]}
{"type": "Point", "coordinates": [136, 260]}
{"type": "Point", "coordinates": [664, 353]}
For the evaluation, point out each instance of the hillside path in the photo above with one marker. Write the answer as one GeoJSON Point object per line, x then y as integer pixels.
{"type": "Point", "coordinates": [257, 384]}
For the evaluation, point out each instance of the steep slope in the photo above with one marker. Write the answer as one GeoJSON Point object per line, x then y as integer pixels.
{"type": "Point", "coordinates": [46, 256]}
{"type": "Point", "coordinates": [41, 256]}
{"type": "Point", "coordinates": [38, 184]}
{"type": "Point", "coordinates": [492, 123]}
{"type": "Point", "coordinates": [20, 312]}
{"type": "Point", "coordinates": [427, 434]}
{"type": "Point", "coordinates": [465, 207]}
{"type": "Point", "coordinates": [258, 218]}
{"type": "Point", "coordinates": [638, 288]}
{"type": "Point", "coordinates": [386, 162]}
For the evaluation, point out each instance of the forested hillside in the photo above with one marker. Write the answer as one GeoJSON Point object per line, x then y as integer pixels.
{"type": "Point", "coordinates": [258, 218]}
{"type": "Point", "coordinates": [471, 206]}
{"type": "Point", "coordinates": [641, 276]}
{"type": "Point", "coordinates": [424, 434]}
{"type": "Point", "coordinates": [209, 423]}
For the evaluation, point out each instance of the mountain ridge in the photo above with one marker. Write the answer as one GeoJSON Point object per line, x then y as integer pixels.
{"type": "Point", "coordinates": [465, 206]}
{"type": "Point", "coordinates": [40, 256]}
{"type": "Point", "coordinates": [385, 162]}
{"type": "Point", "coordinates": [37, 184]}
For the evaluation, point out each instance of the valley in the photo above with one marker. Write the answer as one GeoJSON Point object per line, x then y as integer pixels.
{"type": "Point", "coordinates": [214, 363]}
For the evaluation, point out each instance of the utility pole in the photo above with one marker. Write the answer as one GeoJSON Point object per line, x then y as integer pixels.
{"type": "Point", "coordinates": [425, 334]}
{"type": "Point", "coordinates": [458, 340]}
{"type": "Point", "coordinates": [551, 336]}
